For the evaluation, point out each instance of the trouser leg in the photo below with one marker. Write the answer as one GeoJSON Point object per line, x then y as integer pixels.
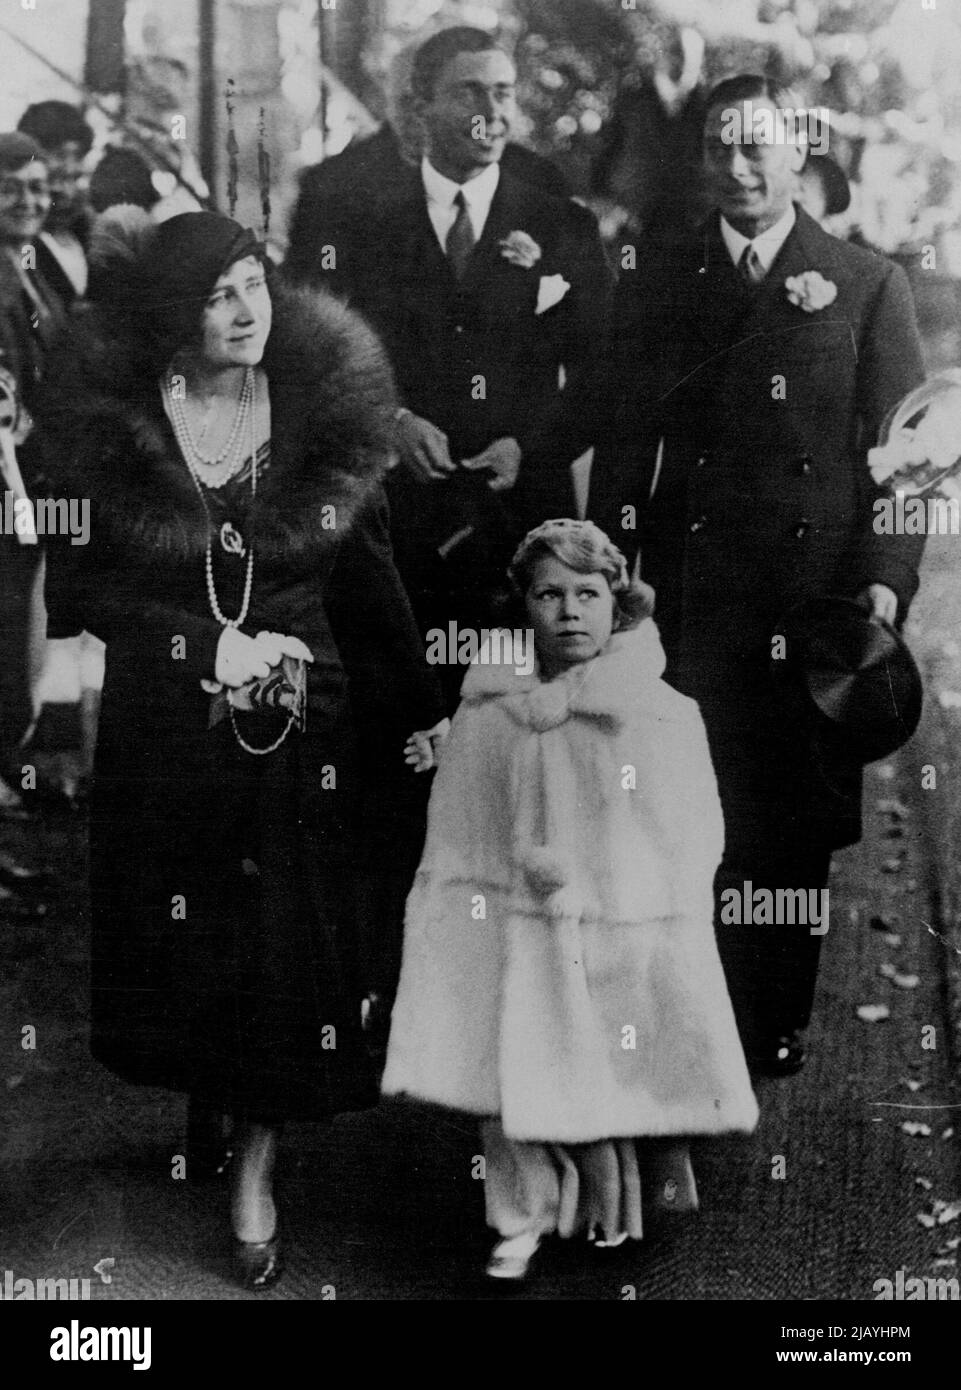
{"type": "Point", "coordinates": [521, 1184]}
{"type": "Point", "coordinates": [22, 640]}
{"type": "Point", "coordinates": [771, 967]}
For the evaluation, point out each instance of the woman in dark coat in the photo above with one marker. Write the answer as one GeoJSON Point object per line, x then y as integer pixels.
{"type": "Point", "coordinates": [238, 533]}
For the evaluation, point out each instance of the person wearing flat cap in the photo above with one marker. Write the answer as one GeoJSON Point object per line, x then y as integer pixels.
{"type": "Point", "coordinates": [263, 671]}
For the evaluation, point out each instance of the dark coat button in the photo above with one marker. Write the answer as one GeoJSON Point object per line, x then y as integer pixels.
{"type": "Point", "coordinates": [698, 525]}
{"type": "Point", "coordinates": [801, 529]}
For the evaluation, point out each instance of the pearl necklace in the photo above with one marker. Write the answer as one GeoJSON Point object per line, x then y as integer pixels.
{"type": "Point", "coordinates": [249, 578]}
{"type": "Point", "coordinates": [199, 485]}
{"type": "Point", "coordinates": [219, 470]}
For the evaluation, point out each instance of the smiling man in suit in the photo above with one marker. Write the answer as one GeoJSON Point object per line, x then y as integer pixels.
{"type": "Point", "coordinates": [491, 294]}
{"type": "Point", "coordinates": [753, 363]}
{"type": "Point", "coordinates": [369, 168]}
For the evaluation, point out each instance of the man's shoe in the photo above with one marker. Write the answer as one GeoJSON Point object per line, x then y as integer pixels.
{"type": "Point", "coordinates": [781, 1056]}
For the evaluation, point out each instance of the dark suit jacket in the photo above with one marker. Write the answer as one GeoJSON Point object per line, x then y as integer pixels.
{"type": "Point", "coordinates": [763, 497]}
{"type": "Point", "coordinates": [23, 344]}
{"type": "Point", "coordinates": [55, 276]}
{"type": "Point", "coordinates": [372, 169]}
{"type": "Point", "coordinates": [477, 360]}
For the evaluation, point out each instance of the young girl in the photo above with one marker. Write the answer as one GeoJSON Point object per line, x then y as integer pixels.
{"type": "Point", "coordinates": [560, 975]}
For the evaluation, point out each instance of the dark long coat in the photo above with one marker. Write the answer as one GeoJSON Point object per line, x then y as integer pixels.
{"type": "Point", "coordinates": [762, 497]}
{"type": "Point", "coordinates": [476, 359]}
{"type": "Point", "coordinates": [224, 958]}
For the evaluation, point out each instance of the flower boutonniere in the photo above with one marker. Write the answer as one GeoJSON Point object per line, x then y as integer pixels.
{"type": "Point", "coordinates": [810, 291]}
{"type": "Point", "coordinates": [520, 249]}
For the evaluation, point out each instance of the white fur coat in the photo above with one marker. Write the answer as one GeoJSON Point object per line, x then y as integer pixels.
{"type": "Point", "coordinates": [560, 968]}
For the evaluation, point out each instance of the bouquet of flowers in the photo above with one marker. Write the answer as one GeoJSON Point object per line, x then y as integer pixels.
{"type": "Point", "coordinates": [919, 451]}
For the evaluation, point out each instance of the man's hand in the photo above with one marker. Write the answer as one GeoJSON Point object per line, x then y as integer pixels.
{"type": "Point", "coordinates": [503, 458]}
{"type": "Point", "coordinates": [880, 601]}
{"type": "Point", "coordinates": [423, 448]}
{"type": "Point", "coordinates": [422, 749]}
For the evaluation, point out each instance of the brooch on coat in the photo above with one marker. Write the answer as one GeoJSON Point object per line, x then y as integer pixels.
{"type": "Point", "coordinates": [523, 251]}
{"type": "Point", "coordinates": [810, 291]}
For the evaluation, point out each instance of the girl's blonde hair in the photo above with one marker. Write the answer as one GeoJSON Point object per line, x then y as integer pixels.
{"type": "Point", "coordinates": [585, 548]}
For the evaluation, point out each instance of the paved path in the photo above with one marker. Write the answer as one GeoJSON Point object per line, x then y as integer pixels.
{"type": "Point", "coordinates": [383, 1205]}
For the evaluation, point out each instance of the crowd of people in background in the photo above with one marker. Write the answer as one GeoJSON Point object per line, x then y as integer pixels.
{"type": "Point", "coordinates": [300, 473]}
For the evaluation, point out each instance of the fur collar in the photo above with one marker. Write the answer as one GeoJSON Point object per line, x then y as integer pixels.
{"type": "Point", "coordinates": [106, 435]}
{"type": "Point", "coordinates": [613, 689]}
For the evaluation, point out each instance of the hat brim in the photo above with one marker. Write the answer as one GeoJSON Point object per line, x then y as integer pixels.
{"type": "Point", "coordinates": [855, 673]}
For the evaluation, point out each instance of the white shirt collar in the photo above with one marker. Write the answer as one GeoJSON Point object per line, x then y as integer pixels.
{"type": "Point", "coordinates": [766, 245]}
{"type": "Point", "coordinates": [478, 192]}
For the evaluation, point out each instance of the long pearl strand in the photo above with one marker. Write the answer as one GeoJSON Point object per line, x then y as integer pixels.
{"type": "Point", "coordinates": [249, 579]}
{"type": "Point", "coordinates": [208, 557]}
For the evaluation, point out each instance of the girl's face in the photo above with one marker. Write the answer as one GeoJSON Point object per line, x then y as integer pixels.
{"type": "Point", "coordinates": [237, 317]}
{"type": "Point", "coordinates": [572, 614]}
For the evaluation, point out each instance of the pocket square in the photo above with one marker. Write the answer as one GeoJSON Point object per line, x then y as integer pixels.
{"type": "Point", "coordinates": [550, 291]}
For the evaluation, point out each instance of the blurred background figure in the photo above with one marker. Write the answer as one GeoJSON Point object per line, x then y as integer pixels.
{"type": "Point", "coordinates": [30, 313]}
{"type": "Point", "coordinates": [122, 176]}
{"type": "Point", "coordinates": [67, 692]}
{"type": "Point", "coordinates": [66, 139]}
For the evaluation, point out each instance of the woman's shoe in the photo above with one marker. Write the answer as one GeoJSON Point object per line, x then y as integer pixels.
{"type": "Point", "coordinates": [258, 1263]}
{"type": "Point", "coordinates": [511, 1258]}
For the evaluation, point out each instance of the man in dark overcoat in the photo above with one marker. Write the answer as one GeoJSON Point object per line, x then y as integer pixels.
{"type": "Point", "coordinates": [489, 293]}
{"type": "Point", "coordinates": [753, 363]}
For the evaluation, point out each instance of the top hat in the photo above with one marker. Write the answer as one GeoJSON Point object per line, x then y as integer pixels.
{"type": "Point", "coordinates": [854, 673]}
